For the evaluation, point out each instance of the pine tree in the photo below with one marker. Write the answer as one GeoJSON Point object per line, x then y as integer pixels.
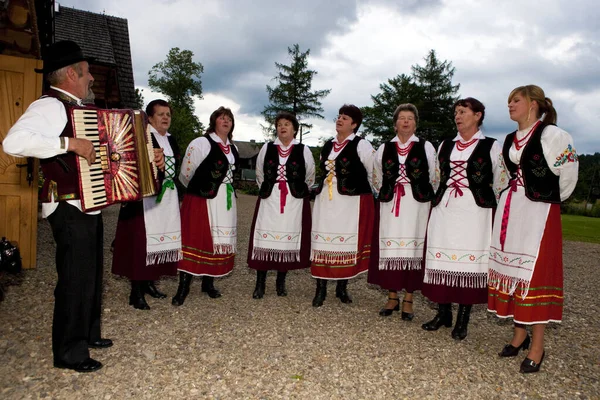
{"type": "Point", "coordinates": [293, 92]}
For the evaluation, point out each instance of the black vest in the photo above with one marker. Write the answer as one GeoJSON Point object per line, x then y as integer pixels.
{"type": "Point", "coordinates": [212, 171]}
{"type": "Point", "coordinates": [541, 184]}
{"type": "Point", "coordinates": [480, 172]}
{"type": "Point", "coordinates": [350, 172]}
{"type": "Point", "coordinates": [295, 171]}
{"type": "Point", "coordinates": [417, 171]}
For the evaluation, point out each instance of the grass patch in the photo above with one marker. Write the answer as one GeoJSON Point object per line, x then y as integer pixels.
{"type": "Point", "coordinates": [581, 229]}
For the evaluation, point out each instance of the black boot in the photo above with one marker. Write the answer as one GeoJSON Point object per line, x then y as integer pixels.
{"type": "Point", "coordinates": [321, 293]}
{"type": "Point", "coordinates": [259, 290]}
{"type": "Point", "coordinates": [136, 298]}
{"type": "Point", "coordinates": [462, 321]}
{"type": "Point", "coordinates": [341, 292]}
{"type": "Point", "coordinates": [208, 287]}
{"type": "Point", "coordinates": [280, 283]}
{"type": "Point", "coordinates": [183, 289]}
{"type": "Point", "coordinates": [150, 289]}
{"type": "Point", "coordinates": [442, 318]}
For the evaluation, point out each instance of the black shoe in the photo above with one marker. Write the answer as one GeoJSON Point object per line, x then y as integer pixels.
{"type": "Point", "coordinates": [259, 290]}
{"type": "Point", "coordinates": [529, 366]}
{"type": "Point", "coordinates": [87, 365]}
{"type": "Point", "coordinates": [511, 351]}
{"type": "Point", "coordinates": [341, 291]}
{"type": "Point", "coordinates": [136, 297]}
{"type": "Point", "coordinates": [386, 312]}
{"type": "Point", "coordinates": [151, 289]}
{"type": "Point", "coordinates": [442, 318]}
{"type": "Point", "coordinates": [208, 287]}
{"type": "Point", "coordinates": [100, 344]}
{"type": "Point", "coordinates": [183, 289]}
{"type": "Point", "coordinates": [462, 322]}
{"type": "Point", "coordinates": [405, 315]}
{"type": "Point", "coordinates": [280, 283]}
{"type": "Point", "coordinates": [321, 293]}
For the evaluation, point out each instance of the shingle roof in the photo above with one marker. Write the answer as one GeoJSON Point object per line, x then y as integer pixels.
{"type": "Point", "coordinates": [248, 149]}
{"type": "Point", "coordinates": [101, 36]}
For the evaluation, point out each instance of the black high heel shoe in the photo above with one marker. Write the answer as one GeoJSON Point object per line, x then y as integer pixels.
{"type": "Point", "coordinates": [407, 316]}
{"type": "Point", "coordinates": [386, 312]}
{"type": "Point", "coordinates": [529, 366]}
{"type": "Point", "coordinates": [511, 351]}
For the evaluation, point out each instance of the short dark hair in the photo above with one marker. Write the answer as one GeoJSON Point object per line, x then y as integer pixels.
{"type": "Point", "coordinates": [472, 103]}
{"type": "Point", "coordinates": [353, 112]}
{"type": "Point", "coordinates": [159, 102]}
{"type": "Point", "coordinates": [406, 107]}
{"type": "Point", "coordinates": [213, 120]}
{"type": "Point", "coordinates": [290, 117]}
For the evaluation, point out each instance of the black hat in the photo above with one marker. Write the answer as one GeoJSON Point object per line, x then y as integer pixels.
{"type": "Point", "coordinates": [61, 54]}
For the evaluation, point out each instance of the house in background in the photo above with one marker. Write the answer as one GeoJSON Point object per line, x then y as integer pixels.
{"type": "Point", "coordinates": [248, 154]}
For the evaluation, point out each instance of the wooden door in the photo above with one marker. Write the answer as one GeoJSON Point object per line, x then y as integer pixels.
{"type": "Point", "coordinates": [19, 87]}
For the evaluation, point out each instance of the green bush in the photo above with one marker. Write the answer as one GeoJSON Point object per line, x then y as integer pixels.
{"type": "Point", "coordinates": [581, 208]}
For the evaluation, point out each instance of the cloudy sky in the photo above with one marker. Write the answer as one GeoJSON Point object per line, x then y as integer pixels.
{"type": "Point", "coordinates": [357, 45]}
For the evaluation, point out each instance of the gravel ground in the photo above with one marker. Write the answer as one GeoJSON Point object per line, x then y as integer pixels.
{"type": "Point", "coordinates": [235, 347]}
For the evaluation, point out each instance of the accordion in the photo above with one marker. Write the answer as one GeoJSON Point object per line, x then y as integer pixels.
{"type": "Point", "coordinates": [124, 168]}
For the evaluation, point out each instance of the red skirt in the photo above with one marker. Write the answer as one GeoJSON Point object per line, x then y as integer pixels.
{"type": "Point", "coordinates": [365, 235]}
{"type": "Point", "coordinates": [544, 301]}
{"type": "Point", "coordinates": [395, 280]}
{"type": "Point", "coordinates": [129, 254]}
{"type": "Point", "coordinates": [304, 244]}
{"type": "Point", "coordinates": [196, 241]}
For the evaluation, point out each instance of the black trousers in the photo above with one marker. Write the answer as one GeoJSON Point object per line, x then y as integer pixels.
{"type": "Point", "coordinates": [78, 293]}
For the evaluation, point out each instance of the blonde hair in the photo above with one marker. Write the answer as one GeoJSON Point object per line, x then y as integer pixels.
{"type": "Point", "coordinates": [535, 93]}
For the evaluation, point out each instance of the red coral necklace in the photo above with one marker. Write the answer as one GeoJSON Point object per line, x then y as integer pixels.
{"type": "Point", "coordinates": [519, 143]}
{"type": "Point", "coordinates": [403, 152]}
{"type": "Point", "coordinates": [461, 146]}
{"type": "Point", "coordinates": [284, 153]}
{"type": "Point", "coordinates": [226, 148]}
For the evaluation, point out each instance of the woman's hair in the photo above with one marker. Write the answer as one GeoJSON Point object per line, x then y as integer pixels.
{"type": "Point", "coordinates": [150, 107]}
{"type": "Point", "coordinates": [406, 107]}
{"type": "Point", "coordinates": [216, 114]}
{"type": "Point", "coordinates": [353, 112]}
{"type": "Point", "coordinates": [290, 117]}
{"type": "Point", "coordinates": [535, 93]}
{"type": "Point", "coordinates": [472, 103]}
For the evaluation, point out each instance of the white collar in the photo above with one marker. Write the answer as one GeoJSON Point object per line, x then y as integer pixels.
{"type": "Point", "coordinates": [413, 138]}
{"type": "Point", "coordinates": [349, 138]}
{"type": "Point", "coordinates": [278, 143]}
{"type": "Point", "coordinates": [153, 130]}
{"type": "Point", "coordinates": [478, 135]}
{"type": "Point", "coordinates": [68, 94]}
{"type": "Point", "coordinates": [217, 139]}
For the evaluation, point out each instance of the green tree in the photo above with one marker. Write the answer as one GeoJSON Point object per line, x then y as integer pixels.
{"type": "Point", "coordinates": [139, 99]}
{"type": "Point", "coordinates": [178, 79]}
{"type": "Point", "coordinates": [293, 92]}
{"type": "Point", "coordinates": [429, 88]}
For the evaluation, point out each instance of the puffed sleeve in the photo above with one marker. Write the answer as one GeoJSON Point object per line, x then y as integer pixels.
{"type": "Point", "coordinates": [366, 153]}
{"type": "Point", "coordinates": [561, 156]}
{"type": "Point", "coordinates": [309, 161]}
{"type": "Point", "coordinates": [260, 162]}
{"type": "Point", "coordinates": [377, 169]}
{"type": "Point", "coordinates": [433, 164]}
{"type": "Point", "coordinates": [499, 169]}
{"type": "Point", "coordinates": [196, 152]}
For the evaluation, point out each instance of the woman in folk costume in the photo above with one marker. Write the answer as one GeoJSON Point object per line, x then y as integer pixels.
{"type": "Point", "coordinates": [526, 270]}
{"type": "Point", "coordinates": [342, 223]}
{"type": "Point", "coordinates": [472, 174]}
{"type": "Point", "coordinates": [405, 176]}
{"type": "Point", "coordinates": [208, 212]}
{"type": "Point", "coordinates": [148, 239]}
{"type": "Point", "coordinates": [280, 233]}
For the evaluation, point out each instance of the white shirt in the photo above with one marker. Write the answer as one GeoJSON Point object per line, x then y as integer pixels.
{"type": "Point", "coordinates": [197, 151]}
{"type": "Point", "coordinates": [309, 162]}
{"type": "Point", "coordinates": [37, 134]}
{"type": "Point", "coordinates": [432, 162]}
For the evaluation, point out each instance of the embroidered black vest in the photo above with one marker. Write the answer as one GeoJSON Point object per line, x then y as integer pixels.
{"type": "Point", "coordinates": [350, 172]}
{"type": "Point", "coordinates": [295, 171]}
{"type": "Point", "coordinates": [541, 184]}
{"type": "Point", "coordinates": [480, 173]}
{"type": "Point", "coordinates": [60, 172]}
{"type": "Point", "coordinates": [417, 171]}
{"type": "Point", "coordinates": [212, 171]}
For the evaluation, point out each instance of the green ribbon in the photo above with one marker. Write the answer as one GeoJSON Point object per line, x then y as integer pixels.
{"type": "Point", "coordinates": [167, 184]}
{"type": "Point", "coordinates": [229, 197]}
